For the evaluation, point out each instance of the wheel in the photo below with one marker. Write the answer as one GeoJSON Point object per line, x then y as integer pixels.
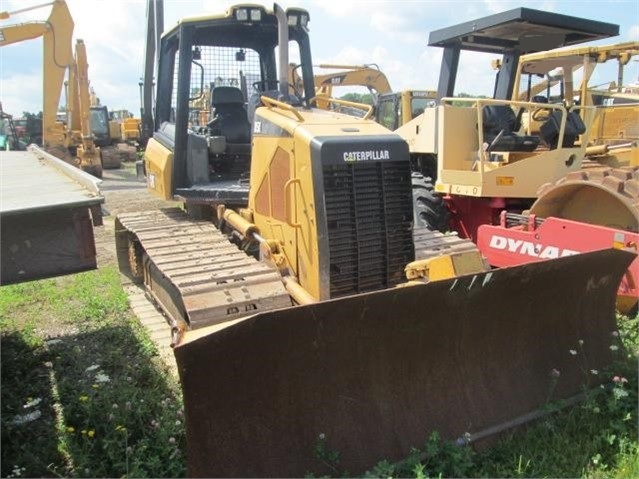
{"type": "Point", "coordinates": [599, 196]}
{"type": "Point", "coordinates": [425, 164]}
{"type": "Point", "coordinates": [429, 209]}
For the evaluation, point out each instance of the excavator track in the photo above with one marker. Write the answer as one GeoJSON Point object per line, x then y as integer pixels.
{"type": "Point", "coordinates": [193, 271]}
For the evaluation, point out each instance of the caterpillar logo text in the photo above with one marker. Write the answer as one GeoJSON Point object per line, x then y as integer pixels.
{"type": "Point", "coordinates": [350, 156]}
{"type": "Point", "coordinates": [528, 248]}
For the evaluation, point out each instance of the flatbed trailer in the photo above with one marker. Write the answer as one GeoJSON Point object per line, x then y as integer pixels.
{"type": "Point", "coordinates": [48, 209]}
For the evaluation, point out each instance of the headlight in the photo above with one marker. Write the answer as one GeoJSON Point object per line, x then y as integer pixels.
{"type": "Point", "coordinates": [256, 15]}
{"type": "Point", "coordinates": [241, 14]}
{"type": "Point", "coordinates": [297, 17]}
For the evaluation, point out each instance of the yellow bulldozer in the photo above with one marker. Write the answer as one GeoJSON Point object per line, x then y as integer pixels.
{"type": "Point", "coordinates": [304, 301]}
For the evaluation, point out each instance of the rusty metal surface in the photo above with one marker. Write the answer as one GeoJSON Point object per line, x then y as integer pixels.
{"type": "Point", "coordinates": [44, 244]}
{"type": "Point", "coordinates": [36, 181]}
{"type": "Point", "coordinates": [378, 372]}
{"type": "Point", "coordinates": [47, 208]}
{"type": "Point", "coordinates": [195, 272]}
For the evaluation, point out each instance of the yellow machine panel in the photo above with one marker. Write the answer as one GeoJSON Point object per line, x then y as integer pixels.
{"type": "Point", "coordinates": [158, 162]}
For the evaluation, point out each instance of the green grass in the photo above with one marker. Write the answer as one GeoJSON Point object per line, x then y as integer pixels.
{"type": "Point", "coordinates": [84, 394]}
{"type": "Point", "coordinates": [83, 391]}
{"type": "Point", "coordinates": [597, 438]}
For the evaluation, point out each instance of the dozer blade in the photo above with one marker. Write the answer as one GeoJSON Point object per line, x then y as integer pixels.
{"type": "Point", "coordinates": [375, 374]}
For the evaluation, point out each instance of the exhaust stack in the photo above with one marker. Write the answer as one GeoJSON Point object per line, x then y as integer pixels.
{"type": "Point", "coordinates": [282, 40]}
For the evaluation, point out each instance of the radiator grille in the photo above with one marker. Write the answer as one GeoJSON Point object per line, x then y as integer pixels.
{"type": "Point", "coordinates": [369, 214]}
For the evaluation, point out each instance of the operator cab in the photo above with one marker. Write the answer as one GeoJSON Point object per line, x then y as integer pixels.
{"type": "Point", "coordinates": [473, 136]}
{"type": "Point", "coordinates": [204, 113]}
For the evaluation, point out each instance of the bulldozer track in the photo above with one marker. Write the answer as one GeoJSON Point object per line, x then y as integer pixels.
{"type": "Point", "coordinates": [429, 243]}
{"type": "Point", "coordinates": [154, 322]}
{"type": "Point", "coordinates": [196, 277]}
{"type": "Point", "coordinates": [191, 269]}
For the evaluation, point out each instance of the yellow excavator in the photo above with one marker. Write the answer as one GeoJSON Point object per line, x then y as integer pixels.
{"type": "Point", "coordinates": [391, 109]}
{"type": "Point", "coordinates": [71, 142]}
{"type": "Point", "coordinates": [305, 304]}
{"type": "Point", "coordinates": [79, 138]}
{"type": "Point", "coordinates": [369, 76]}
{"type": "Point", "coordinates": [109, 136]}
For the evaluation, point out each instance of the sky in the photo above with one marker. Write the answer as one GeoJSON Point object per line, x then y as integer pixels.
{"type": "Point", "coordinates": [392, 34]}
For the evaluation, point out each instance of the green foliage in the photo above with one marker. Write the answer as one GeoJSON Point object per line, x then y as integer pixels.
{"type": "Point", "coordinates": [438, 458]}
{"type": "Point", "coordinates": [596, 438]}
{"type": "Point", "coordinates": [466, 95]}
{"type": "Point", "coordinates": [94, 401]}
{"type": "Point", "coordinates": [365, 98]}
{"type": "Point", "coordinates": [327, 456]}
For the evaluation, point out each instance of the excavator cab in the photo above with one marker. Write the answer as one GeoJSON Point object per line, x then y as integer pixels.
{"type": "Point", "coordinates": [100, 126]}
{"type": "Point", "coordinates": [394, 109]}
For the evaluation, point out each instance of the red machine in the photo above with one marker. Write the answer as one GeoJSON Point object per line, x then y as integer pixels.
{"type": "Point", "coordinates": [523, 239]}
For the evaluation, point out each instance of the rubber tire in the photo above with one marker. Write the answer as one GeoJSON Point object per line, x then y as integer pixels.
{"type": "Point", "coordinates": [429, 209]}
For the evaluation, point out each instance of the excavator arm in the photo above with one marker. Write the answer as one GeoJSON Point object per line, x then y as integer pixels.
{"type": "Point", "coordinates": [79, 107]}
{"type": "Point", "coordinates": [348, 75]}
{"type": "Point", "coordinates": [352, 75]}
{"type": "Point", "coordinates": [56, 32]}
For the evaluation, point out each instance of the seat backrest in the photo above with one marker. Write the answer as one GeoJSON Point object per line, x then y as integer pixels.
{"type": "Point", "coordinates": [496, 118]}
{"type": "Point", "coordinates": [231, 120]}
{"type": "Point", "coordinates": [226, 95]}
{"type": "Point", "coordinates": [501, 120]}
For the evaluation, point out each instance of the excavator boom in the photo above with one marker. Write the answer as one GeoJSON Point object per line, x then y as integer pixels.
{"type": "Point", "coordinates": [56, 33]}
{"type": "Point", "coordinates": [352, 75]}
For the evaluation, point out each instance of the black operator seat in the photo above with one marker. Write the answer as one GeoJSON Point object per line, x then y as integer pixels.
{"type": "Point", "coordinates": [230, 120]}
{"type": "Point", "coordinates": [501, 119]}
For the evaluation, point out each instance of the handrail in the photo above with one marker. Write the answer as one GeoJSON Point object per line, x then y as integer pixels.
{"type": "Point", "coordinates": [271, 102]}
{"type": "Point", "coordinates": [353, 104]}
{"type": "Point", "coordinates": [479, 103]}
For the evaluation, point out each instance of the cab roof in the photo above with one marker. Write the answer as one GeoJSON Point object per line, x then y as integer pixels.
{"type": "Point", "coordinates": [525, 29]}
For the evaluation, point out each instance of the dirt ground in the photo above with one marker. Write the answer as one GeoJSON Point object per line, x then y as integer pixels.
{"type": "Point", "coordinates": [123, 192]}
